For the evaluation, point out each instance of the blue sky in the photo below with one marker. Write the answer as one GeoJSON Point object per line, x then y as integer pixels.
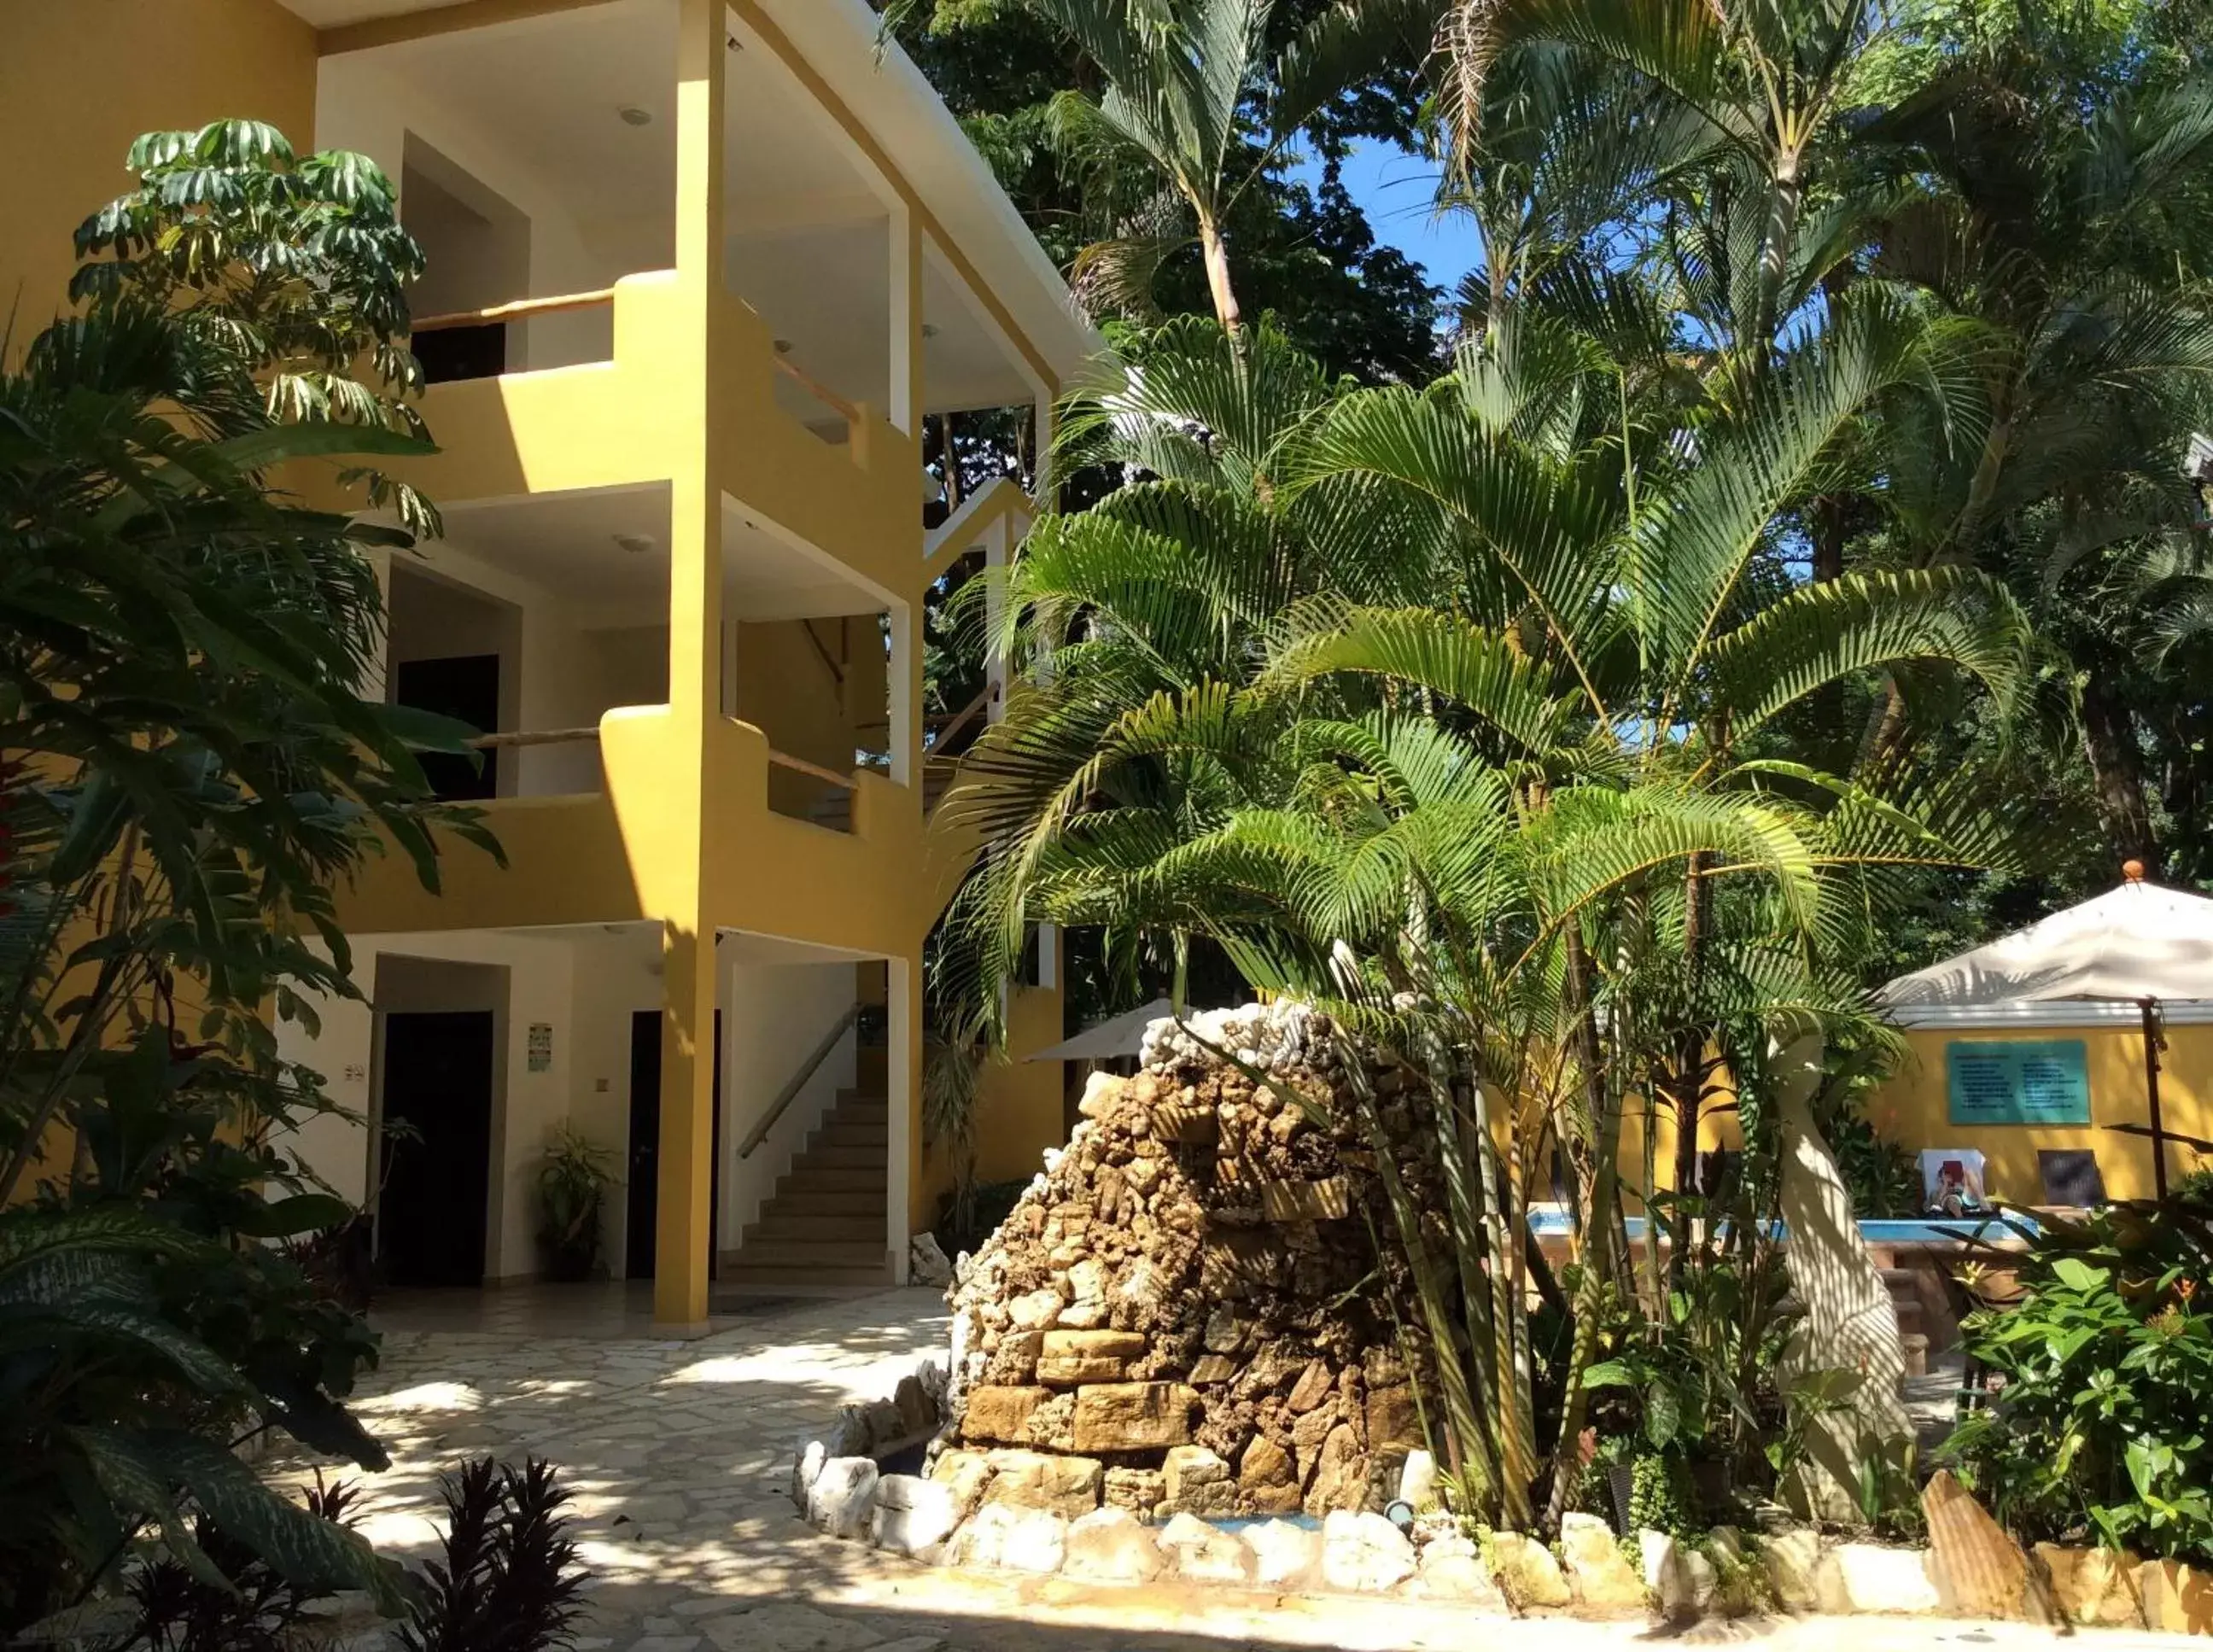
{"type": "Point", "coordinates": [1397, 191]}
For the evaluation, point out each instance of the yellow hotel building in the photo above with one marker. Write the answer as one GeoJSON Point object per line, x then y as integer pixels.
{"type": "Point", "coordinates": [699, 270]}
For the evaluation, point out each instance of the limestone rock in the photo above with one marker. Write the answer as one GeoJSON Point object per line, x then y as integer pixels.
{"type": "Point", "coordinates": [1450, 1567]}
{"type": "Point", "coordinates": [927, 1263]}
{"type": "Point", "coordinates": [1417, 1482]}
{"type": "Point", "coordinates": [1525, 1571]}
{"type": "Point", "coordinates": [804, 1467]}
{"type": "Point", "coordinates": [1599, 1575]}
{"type": "Point", "coordinates": [1364, 1554]}
{"type": "Point", "coordinates": [1138, 1490]}
{"type": "Point", "coordinates": [2178, 1599]}
{"type": "Point", "coordinates": [1132, 1416]}
{"type": "Point", "coordinates": [1111, 1545]}
{"type": "Point", "coordinates": [2093, 1586]}
{"type": "Point", "coordinates": [1340, 1475]}
{"type": "Point", "coordinates": [1267, 1477]}
{"type": "Point", "coordinates": [1224, 1333]}
{"type": "Point", "coordinates": [1068, 1358]}
{"type": "Point", "coordinates": [1066, 1486]}
{"type": "Point", "coordinates": [1002, 1414]}
{"type": "Point", "coordinates": [1667, 1575]}
{"type": "Point", "coordinates": [1201, 1553]}
{"type": "Point", "coordinates": [1392, 1420]}
{"type": "Point", "coordinates": [1792, 1561]}
{"type": "Point", "coordinates": [1010, 1538]}
{"type": "Point", "coordinates": [1284, 1555]}
{"type": "Point", "coordinates": [1039, 1310]}
{"type": "Point", "coordinates": [918, 1411]}
{"type": "Point", "coordinates": [1213, 1368]}
{"type": "Point", "coordinates": [1867, 1577]}
{"type": "Point", "coordinates": [964, 1475]}
{"type": "Point", "coordinates": [1101, 1091]}
{"type": "Point", "coordinates": [842, 1497]}
{"type": "Point", "coordinates": [1978, 1571]}
{"type": "Point", "coordinates": [1195, 1481]}
{"type": "Point", "coordinates": [912, 1513]}
{"type": "Point", "coordinates": [1314, 1385]}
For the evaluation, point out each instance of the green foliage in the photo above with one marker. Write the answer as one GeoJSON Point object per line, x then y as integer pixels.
{"type": "Point", "coordinates": [508, 1579]}
{"type": "Point", "coordinates": [573, 1180]}
{"type": "Point", "coordinates": [190, 770]}
{"type": "Point", "coordinates": [295, 266]}
{"type": "Point", "coordinates": [2101, 1425]}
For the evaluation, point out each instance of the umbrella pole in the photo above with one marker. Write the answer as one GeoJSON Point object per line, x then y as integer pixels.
{"type": "Point", "coordinates": [2154, 1038]}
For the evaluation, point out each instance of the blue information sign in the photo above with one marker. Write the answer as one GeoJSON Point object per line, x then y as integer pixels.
{"type": "Point", "coordinates": [2044, 1083]}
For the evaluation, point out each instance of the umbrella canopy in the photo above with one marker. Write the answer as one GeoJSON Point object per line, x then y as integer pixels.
{"type": "Point", "coordinates": [2134, 942]}
{"type": "Point", "coordinates": [1111, 1039]}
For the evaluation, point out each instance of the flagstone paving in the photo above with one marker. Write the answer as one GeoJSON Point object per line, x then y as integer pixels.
{"type": "Point", "coordinates": [679, 1455]}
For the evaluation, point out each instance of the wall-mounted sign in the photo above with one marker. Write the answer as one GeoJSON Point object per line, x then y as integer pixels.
{"type": "Point", "coordinates": [541, 1046]}
{"type": "Point", "coordinates": [2046, 1082]}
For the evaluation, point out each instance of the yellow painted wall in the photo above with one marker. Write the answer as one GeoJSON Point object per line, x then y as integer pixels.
{"type": "Point", "coordinates": [80, 79]}
{"type": "Point", "coordinates": [1912, 1108]}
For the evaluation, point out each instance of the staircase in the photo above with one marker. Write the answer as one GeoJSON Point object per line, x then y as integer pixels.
{"type": "Point", "coordinates": [825, 1223]}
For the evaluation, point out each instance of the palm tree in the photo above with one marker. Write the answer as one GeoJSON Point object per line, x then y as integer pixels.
{"type": "Point", "coordinates": [1197, 102]}
{"type": "Point", "coordinates": [1743, 92]}
{"type": "Point", "coordinates": [2080, 249]}
{"type": "Point", "coordinates": [1472, 699]}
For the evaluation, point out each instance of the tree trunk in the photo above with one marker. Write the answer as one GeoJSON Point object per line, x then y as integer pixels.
{"type": "Point", "coordinates": [1689, 1069]}
{"type": "Point", "coordinates": [2109, 740]}
{"type": "Point", "coordinates": [1217, 276]}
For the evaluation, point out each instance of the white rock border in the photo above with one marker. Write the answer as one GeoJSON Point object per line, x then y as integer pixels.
{"type": "Point", "coordinates": [838, 1486]}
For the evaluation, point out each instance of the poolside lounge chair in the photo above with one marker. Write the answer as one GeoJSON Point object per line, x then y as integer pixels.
{"type": "Point", "coordinates": [2070, 1176]}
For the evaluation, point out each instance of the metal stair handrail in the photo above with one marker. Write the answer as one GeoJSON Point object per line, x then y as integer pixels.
{"type": "Point", "coordinates": [789, 1093]}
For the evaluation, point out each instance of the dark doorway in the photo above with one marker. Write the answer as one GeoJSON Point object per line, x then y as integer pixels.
{"type": "Point", "coordinates": [451, 354]}
{"type": "Point", "coordinates": [466, 688]}
{"type": "Point", "coordinates": [644, 1169]}
{"type": "Point", "coordinates": [437, 1169]}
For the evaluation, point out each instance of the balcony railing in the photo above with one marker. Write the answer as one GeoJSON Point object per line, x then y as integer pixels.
{"type": "Point", "coordinates": [849, 413]}
{"type": "Point", "coordinates": [834, 814]}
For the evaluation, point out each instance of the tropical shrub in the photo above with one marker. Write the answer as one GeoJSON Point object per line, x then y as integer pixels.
{"type": "Point", "coordinates": [508, 1579]}
{"type": "Point", "coordinates": [2100, 1429]}
{"type": "Point", "coordinates": [190, 772]}
{"type": "Point", "coordinates": [572, 1190]}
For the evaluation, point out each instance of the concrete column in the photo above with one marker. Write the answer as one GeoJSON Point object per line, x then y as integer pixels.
{"type": "Point", "coordinates": [1849, 1334]}
{"type": "Point", "coordinates": [906, 342]}
{"type": "Point", "coordinates": [684, 1215]}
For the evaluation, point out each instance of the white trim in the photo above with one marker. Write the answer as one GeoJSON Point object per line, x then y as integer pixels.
{"type": "Point", "coordinates": [2054, 1012]}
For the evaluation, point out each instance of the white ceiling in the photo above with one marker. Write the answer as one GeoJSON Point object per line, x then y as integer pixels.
{"type": "Point", "coordinates": [568, 545]}
{"type": "Point", "coordinates": [809, 244]}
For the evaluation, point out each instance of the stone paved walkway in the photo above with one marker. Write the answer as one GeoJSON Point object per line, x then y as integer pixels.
{"type": "Point", "coordinates": [680, 1452]}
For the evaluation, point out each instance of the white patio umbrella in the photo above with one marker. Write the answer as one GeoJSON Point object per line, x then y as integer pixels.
{"type": "Point", "coordinates": [1112, 1040]}
{"type": "Point", "coordinates": [2139, 944]}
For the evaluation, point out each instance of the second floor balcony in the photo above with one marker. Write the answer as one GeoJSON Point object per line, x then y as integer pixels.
{"type": "Point", "coordinates": [537, 158]}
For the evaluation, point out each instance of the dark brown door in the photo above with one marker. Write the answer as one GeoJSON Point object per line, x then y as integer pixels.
{"type": "Point", "coordinates": [437, 1160]}
{"type": "Point", "coordinates": [644, 1164]}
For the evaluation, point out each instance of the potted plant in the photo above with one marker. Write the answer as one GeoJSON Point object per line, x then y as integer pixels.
{"type": "Point", "coordinates": [572, 1185]}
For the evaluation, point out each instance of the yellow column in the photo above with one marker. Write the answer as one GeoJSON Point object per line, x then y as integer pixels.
{"type": "Point", "coordinates": [685, 1206]}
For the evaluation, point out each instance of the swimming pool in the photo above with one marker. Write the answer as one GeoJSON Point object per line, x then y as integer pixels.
{"type": "Point", "coordinates": [1927, 1230]}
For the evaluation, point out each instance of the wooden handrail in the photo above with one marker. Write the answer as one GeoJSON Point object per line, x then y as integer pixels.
{"type": "Point", "coordinates": [800, 765]}
{"type": "Point", "coordinates": [541, 737]}
{"type": "Point", "coordinates": [961, 718]}
{"type": "Point", "coordinates": [821, 392]}
{"type": "Point", "coordinates": [521, 307]}
{"type": "Point", "coordinates": [797, 1082]}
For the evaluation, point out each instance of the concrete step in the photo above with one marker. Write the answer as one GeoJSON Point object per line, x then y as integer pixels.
{"type": "Point", "coordinates": [803, 1227]}
{"type": "Point", "coordinates": [802, 1254]}
{"type": "Point", "coordinates": [848, 1158]}
{"type": "Point", "coordinates": [856, 1200]}
{"type": "Point", "coordinates": [736, 1271]}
